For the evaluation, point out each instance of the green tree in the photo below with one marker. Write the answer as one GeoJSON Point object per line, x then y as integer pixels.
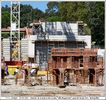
{"type": "Point", "coordinates": [96, 21]}
{"type": "Point", "coordinates": [25, 15]}
{"type": "Point", "coordinates": [52, 8]}
{"type": "Point", "coordinates": [91, 13]}
{"type": "Point", "coordinates": [28, 14]}
{"type": "Point", "coordinates": [52, 12]}
{"type": "Point", "coordinates": [37, 14]}
{"type": "Point", "coordinates": [5, 18]}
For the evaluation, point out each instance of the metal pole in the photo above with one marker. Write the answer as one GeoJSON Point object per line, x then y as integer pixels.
{"type": "Point", "coordinates": [1, 44]}
{"type": "Point", "coordinates": [11, 34]}
{"type": "Point", "coordinates": [47, 54]}
{"type": "Point", "coordinates": [19, 51]}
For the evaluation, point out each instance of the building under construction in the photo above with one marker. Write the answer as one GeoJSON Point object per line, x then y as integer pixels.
{"type": "Point", "coordinates": [48, 35]}
{"type": "Point", "coordinates": [72, 60]}
{"type": "Point", "coordinates": [76, 66]}
{"type": "Point", "coordinates": [72, 56]}
{"type": "Point", "coordinates": [37, 41]}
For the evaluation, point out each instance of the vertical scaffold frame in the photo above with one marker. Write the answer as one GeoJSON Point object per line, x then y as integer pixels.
{"type": "Point", "coordinates": [15, 26]}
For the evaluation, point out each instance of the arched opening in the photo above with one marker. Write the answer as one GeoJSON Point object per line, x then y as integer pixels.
{"type": "Point", "coordinates": [91, 76]}
{"type": "Point", "coordinates": [56, 72]}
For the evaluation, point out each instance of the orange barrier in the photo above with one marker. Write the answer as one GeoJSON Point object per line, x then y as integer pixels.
{"type": "Point", "coordinates": [15, 63]}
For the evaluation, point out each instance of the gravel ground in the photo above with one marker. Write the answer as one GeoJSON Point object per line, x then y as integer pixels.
{"type": "Point", "coordinates": [11, 89]}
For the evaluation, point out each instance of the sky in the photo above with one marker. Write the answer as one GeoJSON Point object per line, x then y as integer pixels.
{"type": "Point", "coordinates": [42, 5]}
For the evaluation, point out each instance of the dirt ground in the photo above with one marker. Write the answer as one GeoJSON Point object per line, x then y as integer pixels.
{"type": "Point", "coordinates": [10, 89]}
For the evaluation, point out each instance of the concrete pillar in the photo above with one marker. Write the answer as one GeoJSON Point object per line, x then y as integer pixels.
{"type": "Point", "coordinates": [62, 63]}
{"type": "Point", "coordinates": [54, 80]}
{"type": "Point", "coordinates": [61, 77]}
{"type": "Point", "coordinates": [100, 79]}
{"type": "Point", "coordinates": [68, 62]}
{"type": "Point", "coordinates": [86, 75]}
{"type": "Point", "coordinates": [95, 82]}
{"type": "Point", "coordinates": [72, 77]}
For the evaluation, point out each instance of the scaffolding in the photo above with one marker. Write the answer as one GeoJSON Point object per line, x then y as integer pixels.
{"type": "Point", "coordinates": [15, 31]}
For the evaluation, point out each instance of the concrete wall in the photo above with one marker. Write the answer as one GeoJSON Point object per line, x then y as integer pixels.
{"type": "Point", "coordinates": [6, 49]}
{"type": "Point", "coordinates": [86, 38]}
{"type": "Point", "coordinates": [60, 27]}
{"type": "Point", "coordinates": [31, 49]}
{"type": "Point", "coordinates": [24, 49]}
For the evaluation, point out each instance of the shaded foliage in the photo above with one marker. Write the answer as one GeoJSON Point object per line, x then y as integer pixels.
{"type": "Point", "coordinates": [96, 22]}
{"type": "Point", "coordinates": [28, 14]}
{"type": "Point", "coordinates": [5, 19]}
